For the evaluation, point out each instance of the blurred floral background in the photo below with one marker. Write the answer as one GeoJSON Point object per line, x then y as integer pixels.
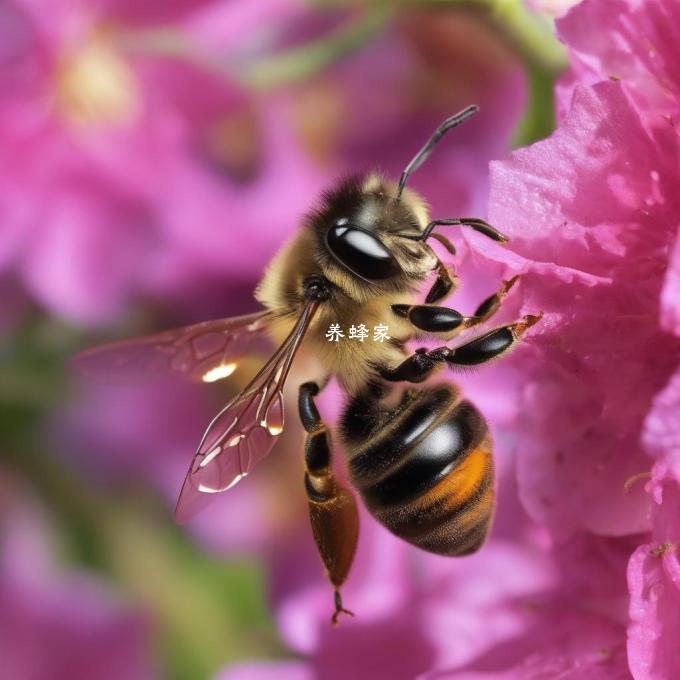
{"type": "Point", "coordinates": [155, 155]}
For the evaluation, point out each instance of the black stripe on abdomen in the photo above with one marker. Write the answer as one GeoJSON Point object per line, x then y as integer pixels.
{"type": "Point", "coordinates": [424, 460]}
{"type": "Point", "coordinates": [427, 474]}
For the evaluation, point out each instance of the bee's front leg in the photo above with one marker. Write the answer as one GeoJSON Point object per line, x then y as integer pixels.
{"type": "Point", "coordinates": [443, 285]}
{"type": "Point", "coordinates": [332, 507]}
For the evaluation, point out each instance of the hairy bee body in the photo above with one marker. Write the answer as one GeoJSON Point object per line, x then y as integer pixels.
{"type": "Point", "coordinates": [424, 466]}
{"type": "Point", "coordinates": [417, 452]}
{"type": "Point", "coordinates": [352, 302]}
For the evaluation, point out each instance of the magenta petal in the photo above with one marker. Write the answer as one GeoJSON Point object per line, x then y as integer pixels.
{"type": "Point", "coordinates": [61, 626]}
{"type": "Point", "coordinates": [567, 646]}
{"type": "Point", "coordinates": [80, 263]}
{"type": "Point", "coordinates": [150, 12]}
{"type": "Point", "coordinates": [376, 586]}
{"type": "Point", "coordinates": [654, 583]}
{"type": "Point", "coordinates": [267, 670]}
{"type": "Point", "coordinates": [670, 295]}
{"type": "Point", "coordinates": [662, 426]}
{"type": "Point", "coordinates": [479, 602]}
{"type": "Point", "coordinates": [633, 41]}
{"type": "Point", "coordinates": [598, 357]}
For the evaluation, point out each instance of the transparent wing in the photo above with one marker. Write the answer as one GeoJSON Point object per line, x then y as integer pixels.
{"type": "Point", "coordinates": [205, 352]}
{"type": "Point", "coordinates": [244, 432]}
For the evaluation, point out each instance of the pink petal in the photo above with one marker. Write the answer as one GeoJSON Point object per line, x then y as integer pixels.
{"type": "Point", "coordinates": [266, 670]}
{"type": "Point", "coordinates": [654, 582]}
{"type": "Point", "coordinates": [633, 41]}
{"type": "Point", "coordinates": [575, 203]}
{"type": "Point", "coordinates": [670, 295]}
{"type": "Point", "coordinates": [569, 646]}
{"type": "Point", "coordinates": [80, 264]}
{"type": "Point", "coordinates": [661, 433]}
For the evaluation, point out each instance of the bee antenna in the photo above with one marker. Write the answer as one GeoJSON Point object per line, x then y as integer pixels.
{"type": "Point", "coordinates": [422, 155]}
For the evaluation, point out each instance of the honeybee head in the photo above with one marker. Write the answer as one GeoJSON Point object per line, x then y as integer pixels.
{"type": "Point", "coordinates": [376, 230]}
{"type": "Point", "coordinates": [364, 230]}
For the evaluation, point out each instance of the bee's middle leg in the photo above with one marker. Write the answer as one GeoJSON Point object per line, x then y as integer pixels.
{"type": "Point", "coordinates": [436, 319]}
{"type": "Point", "coordinates": [332, 507]}
{"type": "Point", "coordinates": [420, 365]}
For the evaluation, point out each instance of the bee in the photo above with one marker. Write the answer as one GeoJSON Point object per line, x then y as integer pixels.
{"type": "Point", "coordinates": [419, 455]}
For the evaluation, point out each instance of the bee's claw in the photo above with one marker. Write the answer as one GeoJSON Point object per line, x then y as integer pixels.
{"type": "Point", "coordinates": [335, 618]}
{"type": "Point", "coordinates": [507, 285]}
{"type": "Point", "coordinates": [528, 321]}
{"type": "Point", "coordinates": [339, 609]}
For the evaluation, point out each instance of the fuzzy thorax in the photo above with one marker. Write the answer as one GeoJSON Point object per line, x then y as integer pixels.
{"type": "Point", "coordinates": [369, 202]}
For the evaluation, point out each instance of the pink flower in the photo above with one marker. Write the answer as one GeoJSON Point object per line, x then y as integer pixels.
{"type": "Point", "coordinates": [552, 8]}
{"type": "Point", "coordinates": [654, 583]}
{"type": "Point", "coordinates": [638, 47]}
{"type": "Point", "coordinates": [117, 177]}
{"type": "Point", "coordinates": [584, 227]}
{"type": "Point", "coordinates": [593, 215]}
{"type": "Point", "coordinates": [661, 434]}
{"type": "Point", "coordinates": [62, 626]}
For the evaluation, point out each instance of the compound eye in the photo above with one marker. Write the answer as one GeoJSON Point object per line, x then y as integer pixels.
{"type": "Point", "coordinates": [361, 252]}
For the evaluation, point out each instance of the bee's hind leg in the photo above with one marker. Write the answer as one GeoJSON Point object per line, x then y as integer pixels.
{"type": "Point", "coordinates": [490, 345]}
{"type": "Point", "coordinates": [332, 507]}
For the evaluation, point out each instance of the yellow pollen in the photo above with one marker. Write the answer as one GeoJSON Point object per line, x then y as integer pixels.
{"type": "Point", "coordinates": [95, 85]}
{"type": "Point", "coordinates": [218, 372]}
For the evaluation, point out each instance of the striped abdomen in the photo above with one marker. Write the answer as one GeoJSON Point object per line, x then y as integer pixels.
{"type": "Point", "coordinates": [425, 470]}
